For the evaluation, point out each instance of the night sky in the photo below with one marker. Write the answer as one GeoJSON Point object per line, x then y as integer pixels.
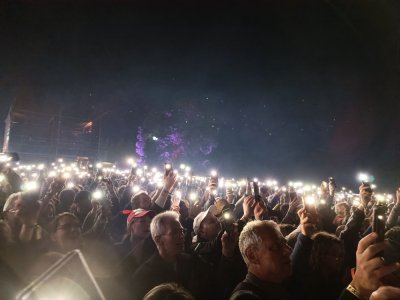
{"type": "Point", "coordinates": [296, 89]}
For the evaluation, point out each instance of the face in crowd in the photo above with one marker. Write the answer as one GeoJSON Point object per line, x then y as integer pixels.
{"type": "Point", "coordinates": [140, 227]}
{"type": "Point", "coordinates": [170, 242]}
{"type": "Point", "coordinates": [269, 257]}
{"type": "Point", "coordinates": [66, 233]}
{"type": "Point", "coordinates": [209, 228]}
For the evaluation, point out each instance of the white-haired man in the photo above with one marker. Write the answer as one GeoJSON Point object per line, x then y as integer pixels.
{"type": "Point", "coordinates": [267, 256]}
{"type": "Point", "coordinates": [170, 263]}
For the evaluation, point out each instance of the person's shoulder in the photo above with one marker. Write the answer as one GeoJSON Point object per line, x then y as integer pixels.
{"type": "Point", "coordinates": [148, 266]}
{"type": "Point", "coordinates": [246, 290]}
{"type": "Point", "coordinates": [244, 295]}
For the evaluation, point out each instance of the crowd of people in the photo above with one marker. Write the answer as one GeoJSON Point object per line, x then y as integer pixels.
{"type": "Point", "coordinates": [185, 237]}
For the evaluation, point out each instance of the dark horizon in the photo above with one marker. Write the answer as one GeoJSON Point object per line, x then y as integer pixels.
{"type": "Point", "coordinates": [302, 90]}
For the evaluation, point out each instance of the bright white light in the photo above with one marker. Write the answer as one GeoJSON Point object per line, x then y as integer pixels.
{"type": "Point", "coordinates": [322, 201]}
{"type": "Point", "coordinates": [155, 138]}
{"type": "Point", "coordinates": [192, 196]}
{"type": "Point", "coordinates": [373, 186]}
{"type": "Point", "coordinates": [66, 175]}
{"type": "Point", "coordinates": [31, 186]}
{"type": "Point", "coordinates": [99, 165]}
{"type": "Point", "coordinates": [139, 172]}
{"type": "Point", "coordinates": [60, 160]}
{"type": "Point", "coordinates": [97, 195]}
{"type": "Point", "coordinates": [363, 177]}
{"type": "Point", "coordinates": [2, 177]}
{"type": "Point", "coordinates": [178, 194]}
{"type": "Point", "coordinates": [187, 169]}
{"type": "Point", "coordinates": [70, 185]}
{"type": "Point", "coordinates": [356, 202]}
{"type": "Point", "coordinates": [380, 217]}
{"type": "Point", "coordinates": [4, 158]}
{"type": "Point", "coordinates": [136, 188]}
{"type": "Point", "coordinates": [213, 173]}
{"type": "Point", "coordinates": [182, 166]}
{"type": "Point", "coordinates": [284, 189]}
{"type": "Point", "coordinates": [380, 198]}
{"type": "Point", "coordinates": [227, 216]}
{"type": "Point", "coordinates": [310, 200]}
{"type": "Point", "coordinates": [130, 161]}
{"type": "Point", "coordinates": [160, 184]}
{"type": "Point", "coordinates": [255, 180]}
{"type": "Point", "coordinates": [40, 167]}
{"type": "Point", "coordinates": [168, 166]}
{"type": "Point", "coordinates": [52, 173]}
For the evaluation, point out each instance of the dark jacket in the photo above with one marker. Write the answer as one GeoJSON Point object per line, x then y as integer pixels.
{"type": "Point", "coordinates": [188, 272]}
{"type": "Point", "coordinates": [253, 288]}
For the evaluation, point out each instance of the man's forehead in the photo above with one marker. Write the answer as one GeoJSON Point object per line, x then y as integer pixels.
{"type": "Point", "coordinates": [173, 223]}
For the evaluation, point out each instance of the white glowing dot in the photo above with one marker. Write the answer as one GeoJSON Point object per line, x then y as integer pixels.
{"type": "Point", "coordinates": [97, 194]}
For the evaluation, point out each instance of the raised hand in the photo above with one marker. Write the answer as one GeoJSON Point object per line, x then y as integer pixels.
{"type": "Point", "coordinates": [370, 268]}
{"type": "Point", "coordinates": [307, 222]}
{"type": "Point", "coordinates": [365, 195]}
{"type": "Point", "coordinates": [248, 206]}
{"type": "Point", "coordinates": [259, 210]}
{"type": "Point", "coordinates": [170, 182]}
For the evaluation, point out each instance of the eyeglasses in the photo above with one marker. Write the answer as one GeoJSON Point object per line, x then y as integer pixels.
{"type": "Point", "coordinates": [335, 256]}
{"type": "Point", "coordinates": [181, 231]}
{"type": "Point", "coordinates": [68, 227]}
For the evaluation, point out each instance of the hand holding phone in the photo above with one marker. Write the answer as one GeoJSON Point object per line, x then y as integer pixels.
{"type": "Point", "coordinates": [167, 169]}
{"type": "Point", "coordinates": [256, 191]}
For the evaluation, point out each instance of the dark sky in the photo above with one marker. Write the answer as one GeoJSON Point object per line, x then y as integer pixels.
{"type": "Point", "coordinates": [289, 88]}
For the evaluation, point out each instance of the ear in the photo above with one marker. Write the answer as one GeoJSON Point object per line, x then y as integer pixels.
{"type": "Point", "coordinates": [252, 255]}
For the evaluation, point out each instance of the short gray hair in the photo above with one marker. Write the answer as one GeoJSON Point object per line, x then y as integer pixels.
{"type": "Point", "coordinates": [251, 235]}
{"type": "Point", "coordinates": [159, 223]}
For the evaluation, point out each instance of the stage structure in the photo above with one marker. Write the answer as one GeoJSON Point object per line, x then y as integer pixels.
{"type": "Point", "coordinates": [45, 136]}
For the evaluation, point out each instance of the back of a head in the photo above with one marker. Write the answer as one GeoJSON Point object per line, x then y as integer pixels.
{"type": "Point", "coordinates": [323, 243]}
{"type": "Point", "coordinates": [67, 196]}
{"type": "Point", "coordinates": [82, 196]}
{"type": "Point", "coordinates": [168, 291]}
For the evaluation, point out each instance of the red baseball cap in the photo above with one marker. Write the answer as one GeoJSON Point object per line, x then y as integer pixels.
{"type": "Point", "coordinates": [137, 213]}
